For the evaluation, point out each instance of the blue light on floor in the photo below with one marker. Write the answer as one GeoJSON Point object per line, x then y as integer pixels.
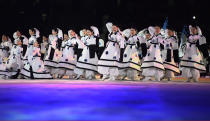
{"type": "Point", "coordinates": [105, 101]}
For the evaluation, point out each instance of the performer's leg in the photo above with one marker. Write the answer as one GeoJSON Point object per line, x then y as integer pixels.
{"type": "Point", "coordinates": [131, 74]}
{"type": "Point", "coordinates": [195, 74]}
{"type": "Point", "coordinates": [104, 71]}
{"type": "Point", "coordinates": [123, 73]}
{"type": "Point", "coordinates": [89, 74]}
{"type": "Point", "coordinates": [79, 72]}
{"type": "Point", "coordinates": [169, 75]}
{"type": "Point", "coordinates": [48, 69]}
{"type": "Point", "coordinates": [2, 77]}
{"type": "Point", "coordinates": [105, 76]}
{"type": "Point", "coordinates": [146, 75]}
{"type": "Point", "coordinates": [158, 75]}
{"type": "Point", "coordinates": [113, 73]}
{"type": "Point", "coordinates": [187, 74]}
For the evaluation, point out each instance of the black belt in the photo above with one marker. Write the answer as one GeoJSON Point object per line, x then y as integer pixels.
{"type": "Point", "coordinates": [69, 46]}
{"type": "Point", "coordinates": [131, 44]}
{"type": "Point", "coordinates": [154, 43]}
{"type": "Point", "coordinates": [191, 43]}
{"type": "Point", "coordinates": [37, 56]}
{"type": "Point", "coordinates": [115, 42]}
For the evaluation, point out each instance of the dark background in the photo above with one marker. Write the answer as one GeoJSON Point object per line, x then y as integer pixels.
{"type": "Point", "coordinates": [77, 14]}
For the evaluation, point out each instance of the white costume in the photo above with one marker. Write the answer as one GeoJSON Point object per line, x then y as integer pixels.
{"type": "Point", "coordinates": [35, 69]}
{"type": "Point", "coordinates": [15, 60]}
{"type": "Point", "coordinates": [53, 55]}
{"type": "Point", "coordinates": [25, 41]}
{"type": "Point", "coordinates": [87, 63]}
{"type": "Point", "coordinates": [153, 63]}
{"type": "Point", "coordinates": [29, 52]}
{"type": "Point", "coordinates": [5, 48]}
{"type": "Point", "coordinates": [68, 59]}
{"type": "Point", "coordinates": [170, 54]}
{"type": "Point", "coordinates": [3, 71]}
{"type": "Point", "coordinates": [131, 61]}
{"type": "Point", "coordinates": [192, 62]}
{"type": "Point", "coordinates": [144, 46]}
{"type": "Point", "coordinates": [109, 61]}
{"type": "Point", "coordinates": [78, 47]}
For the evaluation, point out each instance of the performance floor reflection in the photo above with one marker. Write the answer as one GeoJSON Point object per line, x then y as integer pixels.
{"type": "Point", "coordinates": [108, 101]}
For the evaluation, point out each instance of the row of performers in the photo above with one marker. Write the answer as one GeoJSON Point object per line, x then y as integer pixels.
{"type": "Point", "coordinates": [76, 56]}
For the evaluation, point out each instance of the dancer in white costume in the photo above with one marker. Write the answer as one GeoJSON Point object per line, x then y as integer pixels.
{"type": "Point", "coordinates": [28, 58]}
{"type": "Point", "coordinates": [15, 61]}
{"type": "Point", "coordinates": [109, 61]}
{"type": "Point", "coordinates": [192, 62]}
{"type": "Point", "coordinates": [153, 63]}
{"type": "Point", "coordinates": [87, 63]}
{"type": "Point", "coordinates": [170, 54]}
{"type": "Point", "coordinates": [60, 70]}
{"type": "Point", "coordinates": [54, 54]}
{"type": "Point", "coordinates": [4, 74]}
{"type": "Point", "coordinates": [36, 69]}
{"type": "Point", "coordinates": [23, 38]}
{"type": "Point", "coordinates": [130, 66]}
{"type": "Point", "coordinates": [78, 43]}
{"type": "Point", "coordinates": [5, 46]}
{"type": "Point", "coordinates": [34, 33]}
{"type": "Point", "coordinates": [68, 59]}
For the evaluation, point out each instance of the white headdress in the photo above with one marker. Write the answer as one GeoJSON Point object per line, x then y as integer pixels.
{"type": "Point", "coordinates": [198, 28]}
{"type": "Point", "coordinates": [141, 33]}
{"type": "Point", "coordinates": [37, 32]}
{"type": "Point", "coordinates": [60, 33]}
{"type": "Point", "coordinates": [151, 30]}
{"type": "Point", "coordinates": [15, 35]}
{"type": "Point", "coordinates": [126, 33]}
{"type": "Point", "coordinates": [9, 40]}
{"type": "Point", "coordinates": [69, 33]}
{"type": "Point", "coordinates": [190, 27]}
{"type": "Point", "coordinates": [81, 33]}
{"type": "Point", "coordinates": [109, 26]}
{"type": "Point", "coordinates": [95, 31]}
{"type": "Point", "coordinates": [50, 37]}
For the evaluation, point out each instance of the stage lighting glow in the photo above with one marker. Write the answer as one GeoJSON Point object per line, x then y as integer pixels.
{"type": "Point", "coordinates": [194, 17]}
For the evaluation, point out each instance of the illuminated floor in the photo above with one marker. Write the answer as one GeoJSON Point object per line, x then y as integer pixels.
{"type": "Point", "coordinates": [95, 100]}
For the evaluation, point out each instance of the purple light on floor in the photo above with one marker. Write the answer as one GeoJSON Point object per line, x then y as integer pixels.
{"type": "Point", "coordinates": [108, 101]}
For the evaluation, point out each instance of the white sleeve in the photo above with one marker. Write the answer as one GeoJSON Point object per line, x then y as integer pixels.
{"type": "Point", "coordinates": [25, 40]}
{"type": "Point", "coordinates": [121, 41]}
{"type": "Point", "coordinates": [151, 30]}
{"type": "Point", "coordinates": [202, 40]}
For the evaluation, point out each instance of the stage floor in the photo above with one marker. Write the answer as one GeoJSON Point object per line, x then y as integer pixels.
{"type": "Point", "coordinates": [97, 100]}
